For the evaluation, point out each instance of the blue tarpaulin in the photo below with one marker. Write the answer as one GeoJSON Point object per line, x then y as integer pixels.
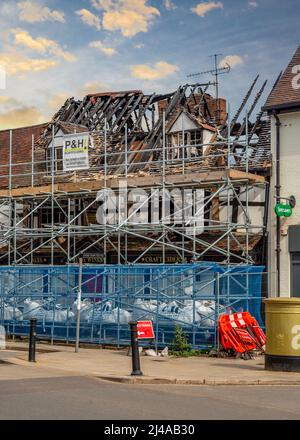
{"type": "Point", "coordinates": [191, 295]}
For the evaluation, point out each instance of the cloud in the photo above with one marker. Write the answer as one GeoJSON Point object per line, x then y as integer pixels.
{"type": "Point", "coordinates": [8, 102]}
{"type": "Point", "coordinates": [102, 4]}
{"type": "Point", "coordinates": [128, 16]}
{"type": "Point", "coordinates": [169, 5]}
{"type": "Point", "coordinates": [253, 4]}
{"type": "Point", "coordinates": [21, 117]}
{"type": "Point", "coordinates": [7, 9]}
{"type": "Point", "coordinates": [139, 46]}
{"type": "Point", "coordinates": [203, 8]}
{"type": "Point", "coordinates": [32, 12]}
{"type": "Point", "coordinates": [89, 18]}
{"type": "Point", "coordinates": [162, 69]}
{"type": "Point", "coordinates": [93, 87]}
{"type": "Point", "coordinates": [232, 60]}
{"type": "Point", "coordinates": [56, 101]}
{"type": "Point", "coordinates": [109, 51]}
{"type": "Point", "coordinates": [14, 63]}
{"type": "Point", "coordinates": [41, 45]}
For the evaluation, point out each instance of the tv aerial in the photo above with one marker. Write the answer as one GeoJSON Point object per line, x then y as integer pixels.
{"type": "Point", "coordinates": [216, 72]}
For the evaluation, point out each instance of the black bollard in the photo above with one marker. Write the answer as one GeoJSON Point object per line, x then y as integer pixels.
{"type": "Point", "coordinates": [32, 341]}
{"type": "Point", "coordinates": [136, 367]}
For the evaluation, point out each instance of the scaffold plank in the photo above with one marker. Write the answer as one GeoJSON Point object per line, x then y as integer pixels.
{"type": "Point", "coordinates": [199, 179]}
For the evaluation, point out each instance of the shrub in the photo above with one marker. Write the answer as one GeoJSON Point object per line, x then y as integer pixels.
{"type": "Point", "coordinates": [180, 343]}
{"type": "Point", "coordinates": [181, 347]}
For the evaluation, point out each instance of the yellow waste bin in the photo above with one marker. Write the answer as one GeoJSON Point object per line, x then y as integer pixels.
{"type": "Point", "coordinates": [283, 334]}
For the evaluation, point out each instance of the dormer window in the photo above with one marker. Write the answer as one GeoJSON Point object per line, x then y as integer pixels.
{"type": "Point", "coordinates": [190, 147]}
{"type": "Point", "coordinates": [58, 159]}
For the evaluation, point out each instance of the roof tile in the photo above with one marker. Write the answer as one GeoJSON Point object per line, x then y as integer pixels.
{"type": "Point", "coordinates": [286, 93]}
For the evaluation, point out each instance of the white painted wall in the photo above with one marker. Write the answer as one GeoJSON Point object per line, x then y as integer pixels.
{"type": "Point", "coordinates": [4, 215]}
{"type": "Point", "coordinates": [255, 213]}
{"type": "Point", "coordinates": [183, 122]}
{"type": "Point", "coordinates": [207, 137]}
{"type": "Point", "coordinates": [58, 139]}
{"type": "Point", "coordinates": [290, 185]}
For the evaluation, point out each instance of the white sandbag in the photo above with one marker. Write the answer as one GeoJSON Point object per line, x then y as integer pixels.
{"type": "Point", "coordinates": [165, 352]}
{"type": "Point", "coordinates": [33, 310]}
{"type": "Point", "coordinates": [101, 312]}
{"type": "Point", "coordinates": [162, 307]}
{"type": "Point", "coordinates": [107, 306]}
{"type": "Point", "coordinates": [170, 309]}
{"type": "Point", "coordinates": [168, 312]}
{"type": "Point", "coordinates": [86, 309]}
{"type": "Point", "coordinates": [108, 318]}
{"type": "Point", "coordinates": [11, 313]}
{"type": "Point", "coordinates": [122, 316]}
{"type": "Point", "coordinates": [206, 310]}
{"type": "Point", "coordinates": [63, 315]}
{"type": "Point", "coordinates": [207, 322]}
{"type": "Point", "coordinates": [115, 316]}
{"type": "Point", "coordinates": [144, 309]}
{"type": "Point", "coordinates": [83, 305]}
{"type": "Point", "coordinates": [151, 353]}
{"type": "Point", "coordinates": [186, 315]}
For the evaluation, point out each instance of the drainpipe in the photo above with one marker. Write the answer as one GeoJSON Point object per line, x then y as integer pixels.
{"type": "Point", "coordinates": [278, 194]}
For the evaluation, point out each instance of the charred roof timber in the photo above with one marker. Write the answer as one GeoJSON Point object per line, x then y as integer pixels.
{"type": "Point", "coordinates": [138, 119]}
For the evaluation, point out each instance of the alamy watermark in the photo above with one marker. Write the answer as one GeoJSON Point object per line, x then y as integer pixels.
{"type": "Point", "coordinates": [156, 206]}
{"type": "Point", "coordinates": [2, 78]}
{"type": "Point", "coordinates": [296, 78]}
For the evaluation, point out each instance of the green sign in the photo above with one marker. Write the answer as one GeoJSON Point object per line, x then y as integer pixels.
{"type": "Point", "coordinates": [283, 210]}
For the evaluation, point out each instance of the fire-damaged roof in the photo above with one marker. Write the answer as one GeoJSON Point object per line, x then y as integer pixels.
{"type": "Point", "coordinates": [199, 122]}
{"type": "Point", "coordinates": [115, 94]}
{"type": "Point", "coordinates": [69, 128]}
{"type": "Point", "coordinates": [132, 124]}
{"type": "Point", "coordinates": [135, 121]}
{"type": "Point", "coordinates": [286, 93]}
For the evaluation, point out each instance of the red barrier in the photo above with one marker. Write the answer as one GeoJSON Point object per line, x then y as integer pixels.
{"type": "Point", "coordinates": [240, 332]}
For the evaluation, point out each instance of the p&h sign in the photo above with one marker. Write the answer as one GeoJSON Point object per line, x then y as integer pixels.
{"type": "Point", "coordinates": [76, 152]}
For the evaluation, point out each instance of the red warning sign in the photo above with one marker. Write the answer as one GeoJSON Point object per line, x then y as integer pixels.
{"type": "Point", "coordinates": [145, 330]}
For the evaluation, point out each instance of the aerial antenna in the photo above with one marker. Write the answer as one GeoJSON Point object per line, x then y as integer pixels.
{"type": "Point", "coordinates": [216, 72]}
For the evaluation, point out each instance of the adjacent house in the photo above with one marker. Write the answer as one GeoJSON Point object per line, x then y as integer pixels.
{"type": "Point", "coordinates": [283, 106]}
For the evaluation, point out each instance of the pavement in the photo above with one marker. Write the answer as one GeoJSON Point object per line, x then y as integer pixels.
{"type": "Point", "coordinates": [115, 366]}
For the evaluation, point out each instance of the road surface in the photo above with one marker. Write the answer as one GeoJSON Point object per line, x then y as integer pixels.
{"type": "Point", "coordinates": [55, 398]}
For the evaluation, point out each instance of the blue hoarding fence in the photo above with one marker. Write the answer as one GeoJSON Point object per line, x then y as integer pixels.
{"type": "Point", "coordinates": [191, 295]}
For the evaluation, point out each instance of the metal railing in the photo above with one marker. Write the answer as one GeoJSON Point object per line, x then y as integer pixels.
{"type": "Point", "coordinates": [192, 296]}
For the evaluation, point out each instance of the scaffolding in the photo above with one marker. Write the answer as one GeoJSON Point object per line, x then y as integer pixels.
{"type": "Point", "coordinates": [185, 228]}
{"type": "Point", "coordinates": [59, 218]}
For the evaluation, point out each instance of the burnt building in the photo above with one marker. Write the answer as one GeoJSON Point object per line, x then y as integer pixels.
{"type": "Point", "coordinates": [175, 177]}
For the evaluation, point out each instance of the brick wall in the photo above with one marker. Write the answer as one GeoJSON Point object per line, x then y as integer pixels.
{"type": "Point", "coordinates": [21, 155]}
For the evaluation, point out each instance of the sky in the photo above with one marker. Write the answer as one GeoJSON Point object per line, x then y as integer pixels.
{"type": "Point", "coordinates": [54, 49]}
